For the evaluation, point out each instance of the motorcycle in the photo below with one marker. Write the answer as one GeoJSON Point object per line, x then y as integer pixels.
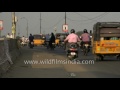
{"type": "Point", "coordinates": [47, 44]}
{"type": "Point", "coordinates": [31, 44]}
{"type": "Point", "coordinates": [72, 51]}
{"type": "Point", "coordinates": [50, 46]}
{"type": "Point", "coordinates": [53, 46]}
{"type": "Point", "coordinates": [61, 44]}
{"type": "Point", "coordinates": [86, 48]}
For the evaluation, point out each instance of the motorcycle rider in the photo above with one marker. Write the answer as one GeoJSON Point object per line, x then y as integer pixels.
{"type": "Point", "coordinates": [47, 39]}
{"type": "Point", "coordinates": [52, 40]}
{"type": "Point", "coordinates": [31, 38]}
{"type": "Point", "coordinates": [85, 37]}
{"type": "Point", "coordinates": [71, 38]}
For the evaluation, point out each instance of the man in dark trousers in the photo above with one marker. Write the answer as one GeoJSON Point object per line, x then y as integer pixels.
{"type": "Point", "coordinates": [31, 38]}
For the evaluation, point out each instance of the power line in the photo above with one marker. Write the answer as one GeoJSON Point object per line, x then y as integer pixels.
{"type": "Point", "coordinates": [98, 18]}
{"type": "Point", "coordinates": [76, 22]}
{"type": "Point", "coordinates": [92, 18]}
{"type": "Point", "coordinates": [61, 18]}
{"type": "Point", "coordinates": [55, 24]}
{"type": "Point", "coordinates": [88, 19]}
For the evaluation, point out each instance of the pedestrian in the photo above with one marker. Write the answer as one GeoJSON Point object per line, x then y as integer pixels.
{"type": "Point", "coordinates": [11, 36]}
{"type": "Point", "coordinates": [23, 41]}
{"type": "Point", "coordinates": [8, 35]}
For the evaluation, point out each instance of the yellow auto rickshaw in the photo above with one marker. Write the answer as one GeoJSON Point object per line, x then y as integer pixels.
{"type": "Point", "coordinates": [39, 40]}
{"type": "Point", "coordinates": [106, 40]}
{"type": "Point", "coordinates": [57, 39]}
{"type": "Point", "coordinates": [58, 35]}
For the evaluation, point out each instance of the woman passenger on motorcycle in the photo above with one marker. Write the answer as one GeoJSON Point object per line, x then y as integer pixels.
{"type": "Point", "coordinates": [85, 37]}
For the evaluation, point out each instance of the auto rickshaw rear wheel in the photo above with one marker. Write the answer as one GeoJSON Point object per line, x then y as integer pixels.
{"type": "Point", "coordinates": [118, 57]}
{"type": "Point", "coordinates": [98, 57]}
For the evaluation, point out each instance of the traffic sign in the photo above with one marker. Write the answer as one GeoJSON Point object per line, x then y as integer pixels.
{"type": "Point", "coordinates": [65, 28]}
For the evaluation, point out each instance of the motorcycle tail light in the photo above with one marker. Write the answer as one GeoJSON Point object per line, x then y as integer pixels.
{"type": "Point", "coordinates": [73, 49]}
{"type": "Point", "coordinates": [98, 44]}
{"type": "Point", "coordinates": [102, 44]}
{"type": "Point", "coordinates": [86, 42]}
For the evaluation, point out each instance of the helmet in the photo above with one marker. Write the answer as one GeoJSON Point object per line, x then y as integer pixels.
{"type": "Point", "coordinates": [85, 30]}
{"type": "Point", "coordinates": [72, 31]}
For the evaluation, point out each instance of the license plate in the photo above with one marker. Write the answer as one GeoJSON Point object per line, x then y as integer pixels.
{"type": "Point", "coordinates": [86, 45]}
{"type": "Point", "coordinates": [62, 42]}
{"type": "Point", "coordinates": [110, 49]}
{"type": "Point", "coordinates": [73, 53]}
{"type": "Point", "coordinates": [53, 43]}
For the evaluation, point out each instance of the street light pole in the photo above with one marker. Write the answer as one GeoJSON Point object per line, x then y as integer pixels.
{"type": "Point", "coordinates": [55, 28]}
{"type": "Point", "coordinates": [65, 18]}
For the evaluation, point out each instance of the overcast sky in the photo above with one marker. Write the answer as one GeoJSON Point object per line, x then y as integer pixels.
{"type": "Point", "coordinates": [50, 20]}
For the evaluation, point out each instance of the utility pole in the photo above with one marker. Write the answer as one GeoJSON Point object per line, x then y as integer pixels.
{"type": "Point", "coordinates": [40, 22]}
{"type": "Point", "coordinates": [0, 30]}
{"type": "Point", "coordinates": [13, 25]}
{"type": "Point", "coordinates": [65, 26]}
{"type": "Point", "coordinates": [65, 18]}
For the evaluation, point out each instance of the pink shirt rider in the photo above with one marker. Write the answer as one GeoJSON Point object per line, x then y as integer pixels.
{"type": "Point", "coordinates": [85, 37]}
{"type": "Point", "coordinates": [72, 38]}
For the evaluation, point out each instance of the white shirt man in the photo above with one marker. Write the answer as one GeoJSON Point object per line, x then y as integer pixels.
{"type": "Point", "coordinates": [11, 36]}
{"type": "Point", "coordinates": [8, 35]}
{"type": "Point", "coordinates": [23, 40]}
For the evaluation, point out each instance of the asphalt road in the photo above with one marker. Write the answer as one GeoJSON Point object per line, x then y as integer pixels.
{"type": "Point", "coordinates": [109, 68]}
